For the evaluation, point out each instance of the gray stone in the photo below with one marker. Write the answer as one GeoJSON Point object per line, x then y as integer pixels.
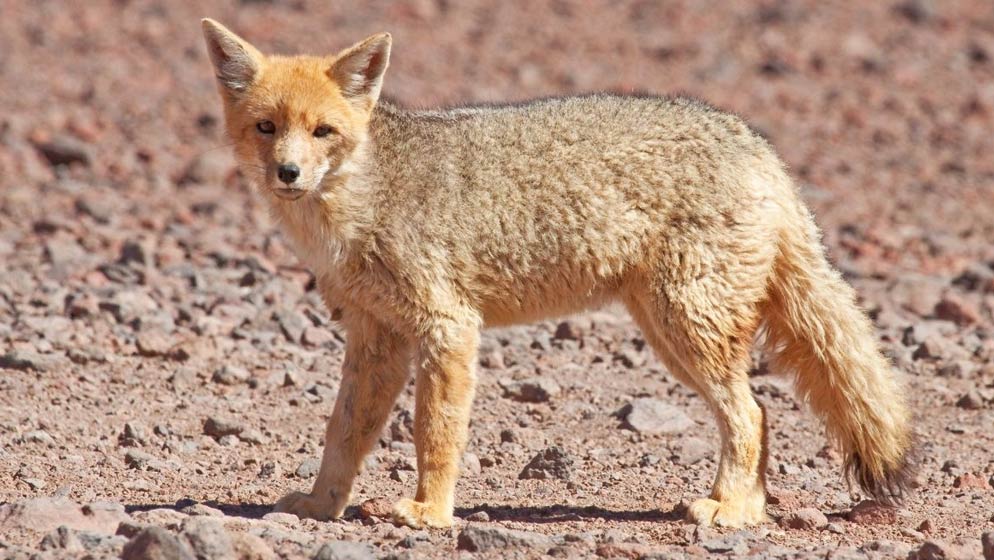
{"type": "Point", "coordinates": [805, 518]}
{"type": "Point", "coordinates": [65, 150]}
{"type": "Point", "coordinates": [552, 462]}
{"type": "Point", "coordinates": [652, 416]}
{"type": "Point", "coordinates": [987, 541]}
{"type": "Point", "coordinates": [692, 450]}
{"type": "Point", "coordinates": [231, 375]}
{"type": "Point", "coordinates": [309, 467]}
{"type": "Point", "coordinates": [344, 550]}
{"type": "Point", "coordinates": [476, 538]}
{"type": "Point", "coordinates": [219, 427]}
{"type": "Point", "coordinates": [934, 550]}
{"type": "Point", "coordinates": [25, 361]}
{"type": "Point", "coordinates": [536, 390]}
{"type": "Point", "coordinates": [208, 538]}
{"type": "Point", "coordinates": [156, 543]}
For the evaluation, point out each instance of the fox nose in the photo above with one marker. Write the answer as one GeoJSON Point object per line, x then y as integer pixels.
{"type": "Point", "coordinates": [288, 172]}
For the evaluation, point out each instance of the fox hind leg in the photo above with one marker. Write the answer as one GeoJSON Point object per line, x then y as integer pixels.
{"type": "Point", "coordinates": [704, 341]}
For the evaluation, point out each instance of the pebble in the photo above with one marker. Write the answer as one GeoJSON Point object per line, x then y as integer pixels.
{"type": "Point", "coordinates": [28, 361]}
{"type": "Point", "coordinates": [536, 390]}
{"type": "Point", "coordinates": [481, 516]}
{"type": "Point", "coordinates": [869, 512]}
{"type": "Point", "coordinates": [652, 416]}
{"type": "Point", "coordinates": [956, 309]}
{"type": "Point", "coordinates": [208, 538]}
{"type": "Point", "coordinates": [344, 550]}
{"type": "Point", "coordinates": [376, 507]}
{"type": "Point", "coordinates": [551, 463]}
{"type": "Point", "coordinates": [65, 150]}
{"type": "Point", "coordinates": [231, 375]}
{"type": "Point", "coordinates": [156, 543]}
{"type": "Point", "coordinates": [218, 427]}
{"type": "Point", "coordinates": [477, 538]}
{"type": "Point", "coordinates": [805, 518]}
{"type": "Point", "coordinates": [308, 468]}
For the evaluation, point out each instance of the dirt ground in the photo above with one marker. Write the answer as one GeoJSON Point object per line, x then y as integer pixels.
{"type": "Point", "coordinates": [165, 361]}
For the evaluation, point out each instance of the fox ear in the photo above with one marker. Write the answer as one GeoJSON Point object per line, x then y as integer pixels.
{"type": "Point", "coordinates": [358, 70]}
{"type": "Point", "coordinates": [236, 62]}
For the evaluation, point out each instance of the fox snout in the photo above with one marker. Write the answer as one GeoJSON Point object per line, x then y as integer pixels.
{"type": "Point", "coordinates": [288, 172]}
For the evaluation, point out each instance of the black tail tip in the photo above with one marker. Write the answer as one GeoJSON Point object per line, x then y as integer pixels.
{"type": "Point", "coordinates": [894, 485]}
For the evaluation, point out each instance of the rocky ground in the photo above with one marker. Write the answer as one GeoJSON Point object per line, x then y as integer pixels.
{"type": "Point", "coordinates": [166, 366]}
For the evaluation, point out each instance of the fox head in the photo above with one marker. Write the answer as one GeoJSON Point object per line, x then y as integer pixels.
{"type": "Point", "coordinates": [297, 122]}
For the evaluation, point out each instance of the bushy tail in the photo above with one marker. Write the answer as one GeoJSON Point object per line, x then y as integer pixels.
{"type": "Point", "coordinates": [816, 330]}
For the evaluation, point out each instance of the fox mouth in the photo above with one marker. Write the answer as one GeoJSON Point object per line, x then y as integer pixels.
{"type": "Point", "coordinates": [289, 193]}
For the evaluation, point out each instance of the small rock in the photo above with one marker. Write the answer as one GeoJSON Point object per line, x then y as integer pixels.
{"type": "Point", "coordinates": [132, 436]}
{"type": "Point", "coordinates": [971, 400]}
{"type": "Point", "coordinates": [38, 436]}
{"type": "Point", "coordinates": [375, 507]}
{"type": "Point", "coordinates": [270, 469]}
{"type": "Point", "coordinates": [470, 465]}
{"type": "Point", "coordinates": [208, 538]}
{"type": "Point", "coordinates": [218, 427]}
{"type": "Point", "coordinates": [65, 150]}
{"type": "Point", "coordinates": [568, 330]}
{"type": "Point", "coordinates": [252, 436]}
{"type": "Point", "coordinates": [475, 538]}
{"type": "Point", "coordinates": [805, 518]}
{"type": "Point", "coordinates": [692, 451]}
{"type": "Point", "coordinates": [318, 336]}
{"type": "Point", "coordinates": [955, 309]}
{"type": "Point", "coordinates": [869, 512]}
{"type": "Point", "coordinates": [971, 481]}
{"type": "Point", "coordinates": [652, 416]}
{"type": "Point", "coordinates": [934, 550]}
{"type": "Point", "coordinates": [292, 323]}
{"type": "Point", "coordinates": [25, 361]}
{"type": "Point", "coordinates": [231, 375]}
{"type": "Point", "coordinates": [137, 459]}
{"type": "Point", "coordinates": [291, 378]}
{"type": "Point", "coordinates": [535, 390]}
{"type": "Point", "coordinates": [309, 468]}
{"type": "Point", "coordinates": [62, 538]}
{"type": "Point", "coordinates": [251, 547]}
{"type": "Point", "coordinates": [478, 516]}
{"type": "Point", "coordinates": [344, 550]}
{"type": "Point", "coordinates": [552, 462]}
{"type": "Point", "coordinates": [156, 543]}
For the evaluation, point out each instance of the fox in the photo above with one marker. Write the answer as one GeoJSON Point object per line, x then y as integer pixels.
{"type": "Point", "coordinates": [423, 227]}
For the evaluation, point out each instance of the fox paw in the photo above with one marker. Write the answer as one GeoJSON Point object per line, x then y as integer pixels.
{"type": "Point", "coordinates": [418, 515]}
{"type": "Point", "coordinates": [708, 512]}
{"type": "Point", "coordinates": [307, 506]}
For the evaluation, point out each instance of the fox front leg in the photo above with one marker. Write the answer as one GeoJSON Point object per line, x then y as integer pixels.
{"type": "Point", "coordinates": [446, 381]}
{"type": "Point", "coordinates": [373, 374]}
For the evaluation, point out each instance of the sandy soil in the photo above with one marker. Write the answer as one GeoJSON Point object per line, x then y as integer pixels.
{"type": "Point", "coordinates": [166, 362]}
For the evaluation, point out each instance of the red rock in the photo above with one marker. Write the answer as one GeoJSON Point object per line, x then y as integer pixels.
{"type": "Point", "coordinates": [376, 507]}
{"type": "Point", "coordinates": [869, 512]}
{"type": "Point", "coordinates": [955, 309]}
{"type": "Point", "coordinates": [971, 481]}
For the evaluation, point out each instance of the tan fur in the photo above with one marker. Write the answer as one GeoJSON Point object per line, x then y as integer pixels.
{"type": "Point", "coordinates": [424, 227]}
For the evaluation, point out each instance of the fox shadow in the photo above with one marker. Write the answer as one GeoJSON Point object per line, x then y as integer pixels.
{"type": "Point", "coordinates": [524, 514]}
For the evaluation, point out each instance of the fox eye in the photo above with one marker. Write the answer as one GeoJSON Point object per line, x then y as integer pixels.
{"type": "Point", "coordinates": [265, 127]}
{"type": "Point", "coordinates": [322, 131]}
